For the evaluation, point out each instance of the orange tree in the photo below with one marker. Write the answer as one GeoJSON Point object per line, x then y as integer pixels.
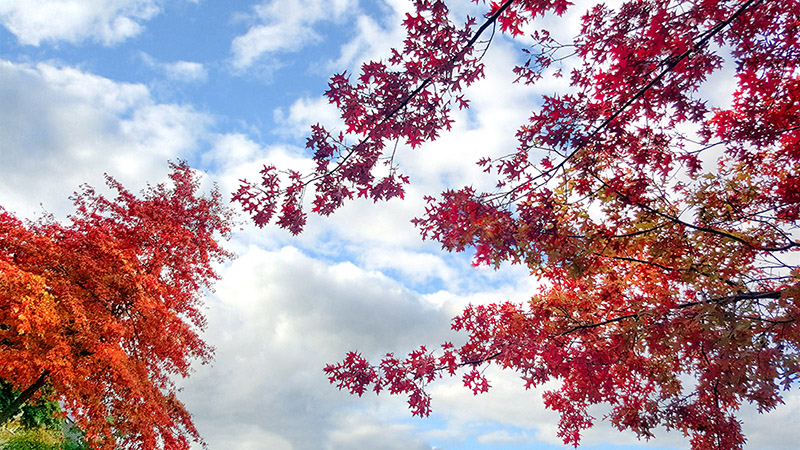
{"type": "Point", "coordinates": [105, 310]}
{"type": "Point", "coordinates": [664, 229]}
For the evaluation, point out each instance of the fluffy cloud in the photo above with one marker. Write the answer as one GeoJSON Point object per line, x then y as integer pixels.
{"type": "Point", "coordinates": [285, 27]}
{"type": "Point", "coordinates": [181, 71]}
{"type": "Point", "coordinates": [62, 127]}
{"type": "Point", "coordinates": [371, 41]}
{"type": "Point", "coordinates": [104, 21]}
{"type": "Point", "coordinates": [296, 120]}
{"type": "Point", "coordinates": [185, 71]}
{"type": "Point", "coordinates": [776, 430]}
{"type": "Point", "coordinates": [278, 317]}
{"type": "Point", "coordinates": [361, 429]}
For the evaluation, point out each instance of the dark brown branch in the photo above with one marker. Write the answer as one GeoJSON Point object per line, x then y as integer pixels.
{"type": "Point", "coordinates": [772, 321]}
{"type": "Point", "coordinates": [662, 267]}
{"type": "Point", "coordinates": [719, 301]}
{"type": "Point", "coordinates": [480, 360]}
{"type": "Point", "coordinates": [733, 298]}
{"type": "Point", "coordinates": [638, 233]}
{"type": "Point", "coordinates": [714, 231]}
{"type": "Point", "coordinates": [11, 410]}
{"type": "Point", "coordinates": [640, 261]}
{"type": "Point", "coordinates": [474, 362]}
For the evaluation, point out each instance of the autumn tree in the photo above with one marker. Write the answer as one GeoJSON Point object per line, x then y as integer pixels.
{"type": "Point", "coordinates": [663, 226]}
{"type": "Point", "coordinates": [105, 310]}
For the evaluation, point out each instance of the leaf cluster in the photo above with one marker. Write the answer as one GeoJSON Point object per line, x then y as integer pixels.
{"type": "Point", "coordinates": [106, 309]}
{"type": "Point", "coordinates": [662, 226]}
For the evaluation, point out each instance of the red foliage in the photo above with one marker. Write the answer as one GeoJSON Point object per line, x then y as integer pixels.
{"type": "Point", "coordinates": [108, 307]}
{"type": "Point", "coordinates": [665, 230]}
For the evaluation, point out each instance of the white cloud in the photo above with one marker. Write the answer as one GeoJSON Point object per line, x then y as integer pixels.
{"type": "Point", "coordinates": [416, 267]}
{"type": "Point", "coordinates": [366, 430]}
{"type": "Point", "coordinates": [61, 127]}
{"type": "Point", "coordinates": [505, 437]}
{"type": "Point", "coordinates": [510, 415]}
{"type": "Point", "coordinates": [276, 320]}
{"type": "Point", "coordinates": [182, 71]}
{"type": "Point", "coordinates": [231, 149]}
{"type": "Point", "coordinates": [186, 71]}
{"type": "Point", "coordinates": [105, 21]}
{"type": "Point", "coordinates": [304, 112]}
{"type": "Point", "coordinates": [776, 430]}
{"type": "Point", "coordinates": [235, 156]}
{"type": "Point", "coordinates": [371, 42]}
{"type": "Point", "coordinates": [285, 27]}
{"type": "Point", "coordinates": [236, 436]}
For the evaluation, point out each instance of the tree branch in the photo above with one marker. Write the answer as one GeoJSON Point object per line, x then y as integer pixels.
{"type": "Point", "coordinates": [11, 410]}
{"type": "Point", "coordinates": [414, 93]}
{"type": "Point", "coordinates": [719, 300]}
{"type": "Point", "coordinates": [671, 64]}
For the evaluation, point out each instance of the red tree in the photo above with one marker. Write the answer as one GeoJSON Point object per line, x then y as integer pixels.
{"type": "Point", "coordinates": [664, 230]}
{"type": "Point", "coordinates": [106, 309]}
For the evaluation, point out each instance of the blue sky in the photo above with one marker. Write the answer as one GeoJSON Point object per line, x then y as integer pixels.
{"type": "Point", "coordinates": [123, 86]}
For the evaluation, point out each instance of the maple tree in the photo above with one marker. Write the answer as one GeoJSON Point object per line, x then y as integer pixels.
{"type": "Point", "coordinates": [105, 310]}
{"type": "Point", "coordinates": [664, 227]}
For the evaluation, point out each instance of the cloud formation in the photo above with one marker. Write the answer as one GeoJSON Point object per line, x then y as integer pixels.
{"type": "Point", "coordinates": [285, 27]}
{"type": "Point", "coordinates": [63, 127]}
{"type": "Point", "coordinates": [180, 71]}
{"type": "Point", "coordinates": [105, 21]}
{"type": "Point", "coordinates": [278, 317]}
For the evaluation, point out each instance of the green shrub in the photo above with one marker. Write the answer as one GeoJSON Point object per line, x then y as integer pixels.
{"type": "Point", "coordinates": [36, 439]}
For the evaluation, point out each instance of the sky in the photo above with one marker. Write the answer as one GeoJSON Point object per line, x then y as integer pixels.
{"type": "Point", "coordinates": [89, 87]}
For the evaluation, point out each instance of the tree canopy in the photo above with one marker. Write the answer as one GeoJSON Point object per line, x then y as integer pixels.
{"type": "Point", "coordinates": [105, 310]}
{"type": "Point", "coordinates": [663, 226]}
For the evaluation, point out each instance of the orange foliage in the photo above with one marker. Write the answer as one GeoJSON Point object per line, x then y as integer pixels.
{"type": "Point", "coordinates": [107, 307]}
